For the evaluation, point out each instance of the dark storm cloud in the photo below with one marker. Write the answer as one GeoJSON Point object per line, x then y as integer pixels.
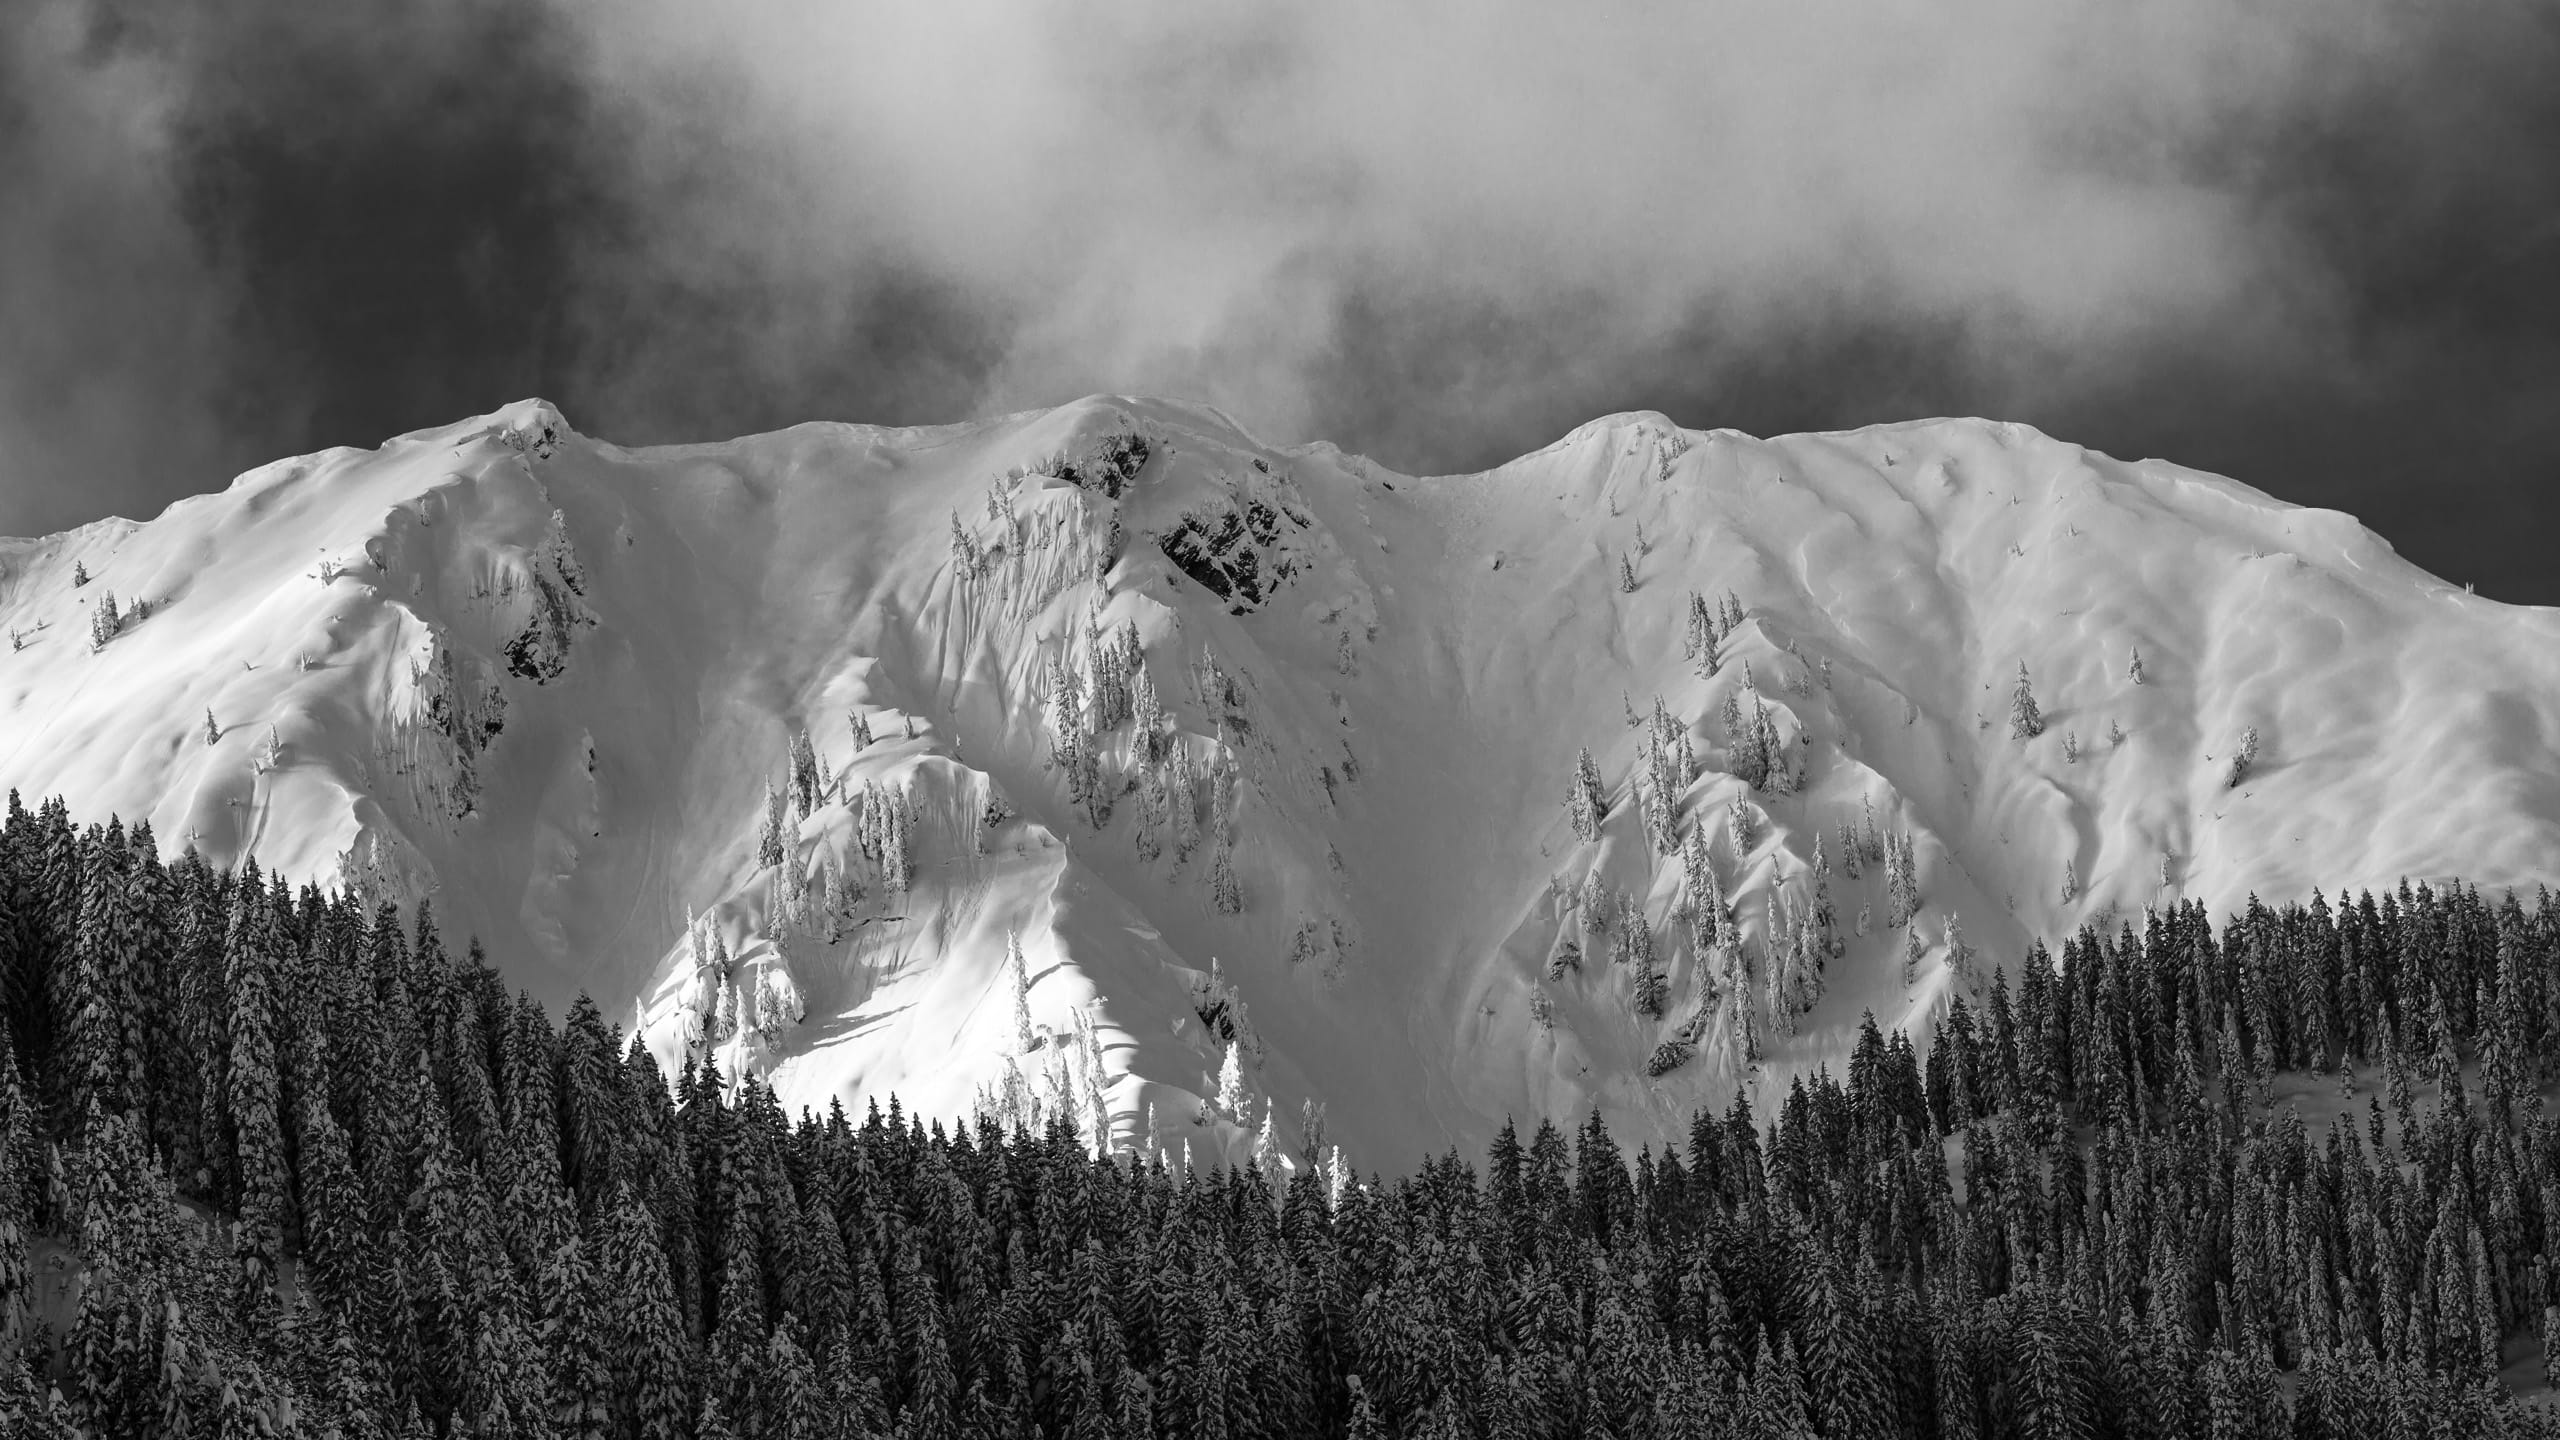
{"type": "Point", "coordinates": [240, 232]}
{"type": "Point", "coordinates": [2308, 244]}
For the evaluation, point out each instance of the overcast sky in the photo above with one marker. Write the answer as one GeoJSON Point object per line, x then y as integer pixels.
{"type": "Point", "coordinates": [2313, 244]}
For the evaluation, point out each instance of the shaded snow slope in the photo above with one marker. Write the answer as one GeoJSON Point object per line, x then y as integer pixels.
{"type": "Point", "coordinates": [1124, 670]}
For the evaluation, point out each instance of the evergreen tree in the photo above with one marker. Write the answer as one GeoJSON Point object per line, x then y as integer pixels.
{"type": "Point", "coordinates": [2244, 757]}
{"type": "Point", "coordinates": [769, 838]}
{"type": "Point", "coordinates": [1226, 895]}
{"type": "Point", "coordinates": [2025, 723]}
{"type": "Point", "coordinates": [1018, 981]}
{"type": "Point", "coordinates": [252, 952]}
{"type": "Point", "coordinates": [1586, 802]}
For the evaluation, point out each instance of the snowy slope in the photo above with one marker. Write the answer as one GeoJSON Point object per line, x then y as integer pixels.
{"type": "Point", "coordinates": [548, 682]}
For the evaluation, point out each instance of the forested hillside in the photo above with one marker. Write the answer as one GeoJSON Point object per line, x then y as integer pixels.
{"type": "Point", "coordinates": [279, 1165]}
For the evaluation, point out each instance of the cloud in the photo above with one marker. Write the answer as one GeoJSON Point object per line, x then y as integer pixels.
{"type": "Point", "coordinates": [2227, 231]}
{"type": "Point", "coordinates": [107, 336]}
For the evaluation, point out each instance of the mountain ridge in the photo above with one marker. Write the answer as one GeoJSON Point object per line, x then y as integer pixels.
{"type": "Point", "coordinates": [546, 680]}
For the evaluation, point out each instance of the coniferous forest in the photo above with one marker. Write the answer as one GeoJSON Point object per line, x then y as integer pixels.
{"type": "Point", "coordinates": [274, 1164]}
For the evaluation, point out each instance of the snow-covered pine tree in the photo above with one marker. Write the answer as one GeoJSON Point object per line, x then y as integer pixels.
{"type": "Point", "coordinates": [1266, 1156]}
{"type": "Point", "coordinates": [2070, 881]}
{"type": "Point", "coordinates": [1585, 800]}
{"type": "Point", "coordinates": [1706, 894]}
{"type": "Point", "coordinates": [793, 881]}
{"type": "Point", "coordinates": [1744, 1034]}
{"type": "Point", "coordinates": [2070, 747]}
{"type": "Point", "coordinates": [1234, 1101]}
{"type": "Point", "coordinates": [1093, 1098]}
{"type": "Point", "coordinates": [1626, 573]}
{"type": "Point", "coordinates": [1017, 972]}
{"type": "Point", "coordinates": [804, 775]}
{"type": "Point", "coordinates": [79, 573]}
{"type": "Point", "coordinates": [1628, 924]}
{"type": "Point", "coordinates": [1901, 880]}
{"type": "Point", "coordinates": [829, 894]}
{"type": "Point", "coordinates": [2243, 759]}
{"type": "Point", "coordinates": [1182, 799]}
{"type": "Point", "coordinates": [769, 835]}
{"type": "Point", "coordinates": [1226, 896]}
{"type": "Point", "coordinates": [2133, 670]}
{"type": "Point", "coordinates": [1634, 949]}
{"type": "Point", "coordinates": [212, 728]}
{"type": "Point", "coordinates": [1146, 715]}
{"type": "Point", "coordinates": [1826, 919]}
{"type": "Point", "coordinates": [2025, 723]}
{"type": "Point", "coordinates": [1960, 956]}
{"type": "Point", "coordinates": [898, 848]}
{"type": "Point", "coordinates": [1147, 834]}
{"type": "Point", "coordinates": [103, 620]}
{"type": "Point", "coordinates": [253, 959]}
{"type": "Point", "coordinates": [860, 724]}
{"type": "Point", "coordinates": [1777, 776]}
{"type": "Point", "coordinates": [1663, 795]}
{"type": "Point", "coordinates": [1594, 904]}
{"type": "Point", "coordinates": [1226, 793]}
{"type": "Point", "coordinates": [1698, 639]}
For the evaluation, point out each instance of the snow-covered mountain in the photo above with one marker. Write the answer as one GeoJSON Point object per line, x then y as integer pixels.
{"type": "Point", "coordinates": [1236, 739]}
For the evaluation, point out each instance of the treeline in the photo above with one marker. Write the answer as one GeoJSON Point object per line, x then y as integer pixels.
{"type": "Point", "coordinates": [272, 1164]}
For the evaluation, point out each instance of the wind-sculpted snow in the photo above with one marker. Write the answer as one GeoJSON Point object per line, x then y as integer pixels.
{"type": "Point", "coordinates": [788, 745]}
